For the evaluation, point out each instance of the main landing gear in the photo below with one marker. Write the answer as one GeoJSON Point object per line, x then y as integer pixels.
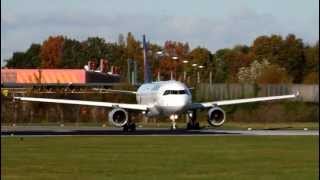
{"type": "Point", "coordinates": [129, 126]}
{"type": "Point", "coordinates": [192, 120]}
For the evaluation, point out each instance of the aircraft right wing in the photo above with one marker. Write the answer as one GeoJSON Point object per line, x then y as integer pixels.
{"type": "Point", "coordinates": [205, 105]}
{"type": "Point", "coordinates": [139, 107]}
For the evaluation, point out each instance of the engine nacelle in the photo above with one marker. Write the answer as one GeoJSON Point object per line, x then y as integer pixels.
{"type": "Point", "coordinates": [118, 117]}
{"type": "Point", "coordinates": [216, 116]}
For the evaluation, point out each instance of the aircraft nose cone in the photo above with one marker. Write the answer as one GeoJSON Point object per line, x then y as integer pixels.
{"type": "Point", "coordinates": [178, 103]}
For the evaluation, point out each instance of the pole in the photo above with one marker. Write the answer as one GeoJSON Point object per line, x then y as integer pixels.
{"type": "Point", "coordinates": [129, 70]}
{"type": "Point", "coordinates": [198, 77]}
{"type": "Point", "coordinates": [159, 75]}
{"type": "Point", "coordinates": [159, 69]}
{"type": "Point", "coordinates": [133, 78]}
{"type": "Point", "coordinates": [135, 70]}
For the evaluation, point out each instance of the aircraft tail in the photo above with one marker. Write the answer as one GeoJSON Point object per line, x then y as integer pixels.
{"type": "Point", "coordinates": [147, 71]}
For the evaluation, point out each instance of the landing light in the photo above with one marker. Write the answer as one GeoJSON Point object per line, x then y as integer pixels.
{"type": "Point", "coordinates": [159, 52]}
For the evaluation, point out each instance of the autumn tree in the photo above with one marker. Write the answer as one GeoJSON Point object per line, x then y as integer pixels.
{"type": "Point", "coordinates": [265, 47]}
{"type": "Point", "coordinates": [201, 57]}
{"type": "Point", "coordinates": [221, 69]}
{"type": "Point", "coordinates": [51, 52]}
{"type": "Point", "coordinates": [234, 60]}
{"type": "Point", "coordinates": [154, 57]}
{"type": "Point", "coordinates": [17, 60]}
{"type": "Point", "coordinates": [300, 61]}
{"type": "Point", "coordinates": [263, 72]}
{"type": "Point", "coordinates": [175, 53]}
{"type": "Point", "coordinates": [95, 49]}
{"type": "Point", "coordinates": [73, 55]}
{"type": "Point", "coordinates": [134, 48]}
{"type": "Point", "coordinates": [134, 52]}
{"type": "Point", "coordinates": [293, 60]}
{"type": "Point", "coordinates": [273, 74]}
{"type": "Point", "coordinates": [312, 64]}
{"type": "Point", "coordinates": [287, 53]}
{"type": "Point", "coordinates": [28, 59]}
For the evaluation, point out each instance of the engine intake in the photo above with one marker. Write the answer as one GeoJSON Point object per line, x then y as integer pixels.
{"type": "Point", "coordinates": [216, 116]}
{"type": "Point", "coordinates": [118, 117]}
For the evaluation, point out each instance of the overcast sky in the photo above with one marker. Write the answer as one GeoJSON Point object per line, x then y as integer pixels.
{"type": "Point", "coordinates": [213, 24]}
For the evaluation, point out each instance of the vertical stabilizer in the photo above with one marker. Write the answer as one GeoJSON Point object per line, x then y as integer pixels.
{"type": "Point", "coordinates": [147, 72]}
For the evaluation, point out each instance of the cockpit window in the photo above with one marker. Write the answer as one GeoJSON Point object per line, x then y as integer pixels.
{"type": "Point", "coordinates": [167, 92]}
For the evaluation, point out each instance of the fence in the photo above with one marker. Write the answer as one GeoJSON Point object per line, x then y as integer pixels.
{"type": "Point", "coordinates": [209, 92]}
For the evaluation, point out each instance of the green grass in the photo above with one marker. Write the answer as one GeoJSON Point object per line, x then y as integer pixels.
{"type": "Point", "coordinates": [129, 157]}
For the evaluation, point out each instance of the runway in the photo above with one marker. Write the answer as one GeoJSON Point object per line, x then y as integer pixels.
{"type": "Point", "coordinates": [88, 131]}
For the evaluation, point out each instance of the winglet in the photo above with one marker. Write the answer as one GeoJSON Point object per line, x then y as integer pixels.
{"type": "Point", "coordinates": [297, 94]}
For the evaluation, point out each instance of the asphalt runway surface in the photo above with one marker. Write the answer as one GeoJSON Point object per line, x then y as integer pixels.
{"type": "Point", "coordinates": [88, 131]}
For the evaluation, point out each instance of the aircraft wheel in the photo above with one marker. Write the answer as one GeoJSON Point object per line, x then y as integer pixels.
{"type": "Point", "coordinates": [189, 125]}
{"type": "Point", "coordinates": [132, 127]}
{"type": "Point", "coordinates": [197, 125]}
{"type": "Point", "coordinates": [125, 128]}
{"type": "Point", "coordinates": [173, 128]}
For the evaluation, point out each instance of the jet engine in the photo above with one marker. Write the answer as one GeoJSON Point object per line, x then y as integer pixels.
{"type": "Point", "coordinates": [216, 116]}
{"type": "Point", "coordinates": [118, 117]}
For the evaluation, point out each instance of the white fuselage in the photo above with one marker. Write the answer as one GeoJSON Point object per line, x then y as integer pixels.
{"type": "Point", "coordinates": [164, 98]}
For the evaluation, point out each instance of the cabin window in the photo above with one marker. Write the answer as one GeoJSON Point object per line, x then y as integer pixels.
{"type": "Point", "coordinates": [167, 92]}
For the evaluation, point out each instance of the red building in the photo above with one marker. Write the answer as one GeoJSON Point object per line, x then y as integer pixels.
{"type": "Point", "coordinates": [56, 76]}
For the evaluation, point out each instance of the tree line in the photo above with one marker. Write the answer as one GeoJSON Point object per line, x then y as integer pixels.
{"type": "Point", "coordinates": [269, 59]}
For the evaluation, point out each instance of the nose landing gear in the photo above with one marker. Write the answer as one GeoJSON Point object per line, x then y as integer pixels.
{"type": "Point", "coordinates": [173, 118]}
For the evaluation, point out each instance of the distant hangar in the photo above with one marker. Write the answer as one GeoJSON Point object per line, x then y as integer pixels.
{"type": "Point", "coordinates": [88, 75]}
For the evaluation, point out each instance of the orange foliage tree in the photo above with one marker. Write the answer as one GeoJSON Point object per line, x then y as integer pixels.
{"type": "Point", "coordinates": [169, 64]}
{"type": "Point", "coordinates": [273, 74]}
{"type": "Point", "coordinates": [51, 52]}
{"type": "Point", "coordinates": [234, 61]}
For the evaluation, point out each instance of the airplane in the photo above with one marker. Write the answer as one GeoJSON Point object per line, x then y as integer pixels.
{"type": "Point", "coordinates": [162, 98]}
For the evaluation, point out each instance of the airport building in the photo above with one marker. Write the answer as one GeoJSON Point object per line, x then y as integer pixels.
{"type": "Point", "coordinates": [90, 74]}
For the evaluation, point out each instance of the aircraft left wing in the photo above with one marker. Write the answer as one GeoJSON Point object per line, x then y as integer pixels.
{"type": "Point", "coordinates": [205, 105]}
{"type": "Point", "coordinates": [139, 107]}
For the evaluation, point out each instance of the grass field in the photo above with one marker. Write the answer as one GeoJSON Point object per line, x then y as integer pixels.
{"type": "Point", "coordinates": [130, 157]}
